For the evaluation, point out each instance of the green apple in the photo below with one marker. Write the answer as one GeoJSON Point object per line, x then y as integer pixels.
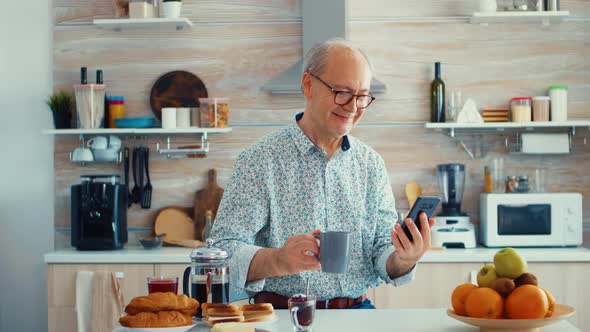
{"type": "Point", "coordinates": [509, 263]}
{"type": "Point", "coordinates": [486, 275]}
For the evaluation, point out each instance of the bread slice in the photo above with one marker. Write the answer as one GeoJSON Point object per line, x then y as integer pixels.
{"type": "Point", "coordinates": [223, 312]}
{"type": "Point", "coordinates": [226, 319]}
{"type": "Point", "coordinates": [228, 307]}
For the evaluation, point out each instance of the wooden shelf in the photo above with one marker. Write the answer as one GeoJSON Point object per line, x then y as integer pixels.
{"type": "Point", "coordinates": [506, 125]}
{"type": "Point", "coordinates": [119, 24]}
{"type": "Point", "coordinates": [136, 131]}
{"type": "Point", "coordinates": [544, 17]}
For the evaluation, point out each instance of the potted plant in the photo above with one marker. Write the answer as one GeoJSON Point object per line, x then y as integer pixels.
{"type": "Point", "coordinates": [170, 8]}
{"type": "Point", "coordinates": [61, 104]}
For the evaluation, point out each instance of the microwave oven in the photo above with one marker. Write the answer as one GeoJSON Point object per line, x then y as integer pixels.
{"type": "Point", "coordinates": [531, 219]}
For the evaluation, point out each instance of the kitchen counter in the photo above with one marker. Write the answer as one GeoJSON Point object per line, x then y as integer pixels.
{"type": "Point", "coordinates": [172, 255]}
{"type": "Point", "coordinates": [411, 320]}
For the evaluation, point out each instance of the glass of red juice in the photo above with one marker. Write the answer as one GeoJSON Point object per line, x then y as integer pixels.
{"type": "Point", "coordinates": [302, 310]}
{"type": "Point", "coordinates": [162, 284]}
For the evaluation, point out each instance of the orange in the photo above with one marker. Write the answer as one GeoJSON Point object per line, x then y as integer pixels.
{"type": "Point", "coordinates": [459, 296]}
{"type": "Point", "coordinates": [484, 302]}
{"type": "Point", "coordinates": [551, 303]}
{"type": "Point", "coordinates": [527, 301]}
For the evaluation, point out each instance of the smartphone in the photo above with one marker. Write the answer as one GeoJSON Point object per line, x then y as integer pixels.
{"type": "Point", "coordinates": [426, 204]}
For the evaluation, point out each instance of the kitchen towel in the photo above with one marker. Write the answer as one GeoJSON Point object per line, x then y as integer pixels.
{"type": "Point", "coordinates": [83, 299]}
{"type": "Point", "coordinates": [99, 300]}
{"type": "Point", "coordinates": [552, 143]}
{"type": "Point", "coordinates": [107, 302]}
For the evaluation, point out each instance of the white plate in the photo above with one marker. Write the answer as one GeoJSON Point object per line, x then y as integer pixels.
{"type": "Point", "coordinates": [155, 329]}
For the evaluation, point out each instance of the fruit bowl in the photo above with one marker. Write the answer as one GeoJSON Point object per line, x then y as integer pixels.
{"type": "Point", "coordinates": [560, 313]}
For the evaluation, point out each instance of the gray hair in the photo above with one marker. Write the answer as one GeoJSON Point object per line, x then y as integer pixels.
{"type": "Point", "coordinates": [317, 57]}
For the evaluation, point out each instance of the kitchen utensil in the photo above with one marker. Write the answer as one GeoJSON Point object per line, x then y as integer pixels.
{"type": "Point", "coordinates": [302, 311]}
{"type": "Point", "coordinates": [176, 89]}
{"type": "Point", "coordinates": [82, 154]}
{"type": "Point", "coordinates": [135, 122]}
{"type": "Point", "coordinates": [334, 251]}
{"type": "Point", "coordinates": [147, 190]}
{"type": "Point", "coordinates": [208, 275]}
{"type": "Point", "coordinates": [98, 143]}
{"type": "Point", "coordinates": [135, 190]}
{"type": "Point", "coordinates": [560, 313]}
{"type": "Point", "coordinates": [175, 223]}
{"type": "Point", "coordinates": [152, 242]}
{"type": "Point", "coordinates": [206, 199]}
{"type": "Point", "coordinates": [413, 190]}
{"type": "Point", "coordinates": [126, 171]}
{"type": "Point", "coordinates": [140, 171]}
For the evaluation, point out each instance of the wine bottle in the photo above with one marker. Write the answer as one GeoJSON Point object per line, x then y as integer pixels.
{"type": "Point", "coordinates": [437, 91]}
{"type": "Point", "coordinates": [83, 76]}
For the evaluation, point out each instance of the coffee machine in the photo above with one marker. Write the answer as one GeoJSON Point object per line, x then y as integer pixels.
{"type": "Point", "coordinates": [99, 213]}
{"type": "Point", "coordinates": [453, 228]}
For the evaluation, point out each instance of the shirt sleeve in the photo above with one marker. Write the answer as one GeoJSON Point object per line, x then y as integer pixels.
{"type": "Point", "coordinates": [242, 213]}
{"type": "Point", "coordinates": [382, 205]}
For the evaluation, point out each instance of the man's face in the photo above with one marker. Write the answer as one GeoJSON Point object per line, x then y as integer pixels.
{"type": "Point", "coordinates": [346, 70]}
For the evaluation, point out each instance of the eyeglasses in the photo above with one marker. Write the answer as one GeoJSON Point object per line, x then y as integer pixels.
{"type": "Point", "coordinates": [342, 98]}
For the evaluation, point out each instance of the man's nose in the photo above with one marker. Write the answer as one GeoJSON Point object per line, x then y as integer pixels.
{"type": "Point", "coordinates": [351, 106]}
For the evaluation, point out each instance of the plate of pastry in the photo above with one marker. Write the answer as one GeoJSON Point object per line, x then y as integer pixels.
{"type": "Point", "coordinates": [159, 312]}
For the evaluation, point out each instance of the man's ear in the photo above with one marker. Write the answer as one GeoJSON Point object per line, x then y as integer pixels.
{"type": "Point", "coordinates": [306, 84]}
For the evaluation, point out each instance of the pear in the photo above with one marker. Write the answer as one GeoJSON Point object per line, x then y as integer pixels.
{"type": "Point", "coordinates": [509, 263]}
{"type": "Point", "coordinates": [486, 275]}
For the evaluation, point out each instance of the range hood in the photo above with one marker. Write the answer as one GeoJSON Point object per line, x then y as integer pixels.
{"type": "Point", "coordinates": [322, 20]}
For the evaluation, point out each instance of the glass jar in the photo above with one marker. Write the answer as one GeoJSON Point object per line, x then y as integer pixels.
{"type": "Point", "coordinates": [142, 9]}
{"type": "Point", "coordinates": [558, 95]}
{"type": "Point", "coordinates": [214, 112]}
{"type": "Point", "coordinates": [520, 108]}
{"type": "Point", "coordinates": [541, 108]}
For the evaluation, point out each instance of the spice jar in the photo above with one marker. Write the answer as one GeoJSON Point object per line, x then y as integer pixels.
{"type": "Point", "coordinates": [520, 108]}
{"type": "Point", "coordinates": [511, 184]}
{"type": "Point", "coordinates": [541, 108]}
{"type": "Point", "coordinates": [214, 112]}
{"type": "Point", "coordinates": [558, 94]}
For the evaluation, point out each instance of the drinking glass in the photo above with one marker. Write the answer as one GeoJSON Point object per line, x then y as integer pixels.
{"type": "Point", "coordinates": [302, 311]}
{"type": "Point", "coordinates": [539, 180]}
{"type": "Point", "coordinates": [455, 105]}
{"type": "Point", "coordinates": [499, 186]}
{"type": "Point", "coordinates": [162, 284]}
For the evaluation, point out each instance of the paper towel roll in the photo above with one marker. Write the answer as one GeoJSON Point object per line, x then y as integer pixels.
{"type": "Point", "coordinates": [545, 143]}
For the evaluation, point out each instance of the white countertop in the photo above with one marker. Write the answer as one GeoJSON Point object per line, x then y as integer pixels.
{"type": "Point", "coordinates": [173, 255]}
{"type": "Point", "coordinates": [383, 320]}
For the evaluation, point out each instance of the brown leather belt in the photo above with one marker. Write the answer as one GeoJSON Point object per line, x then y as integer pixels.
{"type": "Point", "coordinates": [281, 302]}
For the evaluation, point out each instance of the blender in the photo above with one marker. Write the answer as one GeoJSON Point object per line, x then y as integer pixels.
{"type": "Point", "coordinates": [453, 228]}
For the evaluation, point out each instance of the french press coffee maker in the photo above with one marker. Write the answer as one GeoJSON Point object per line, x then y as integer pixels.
{"type": "Point", "coordinates": [208, 275]}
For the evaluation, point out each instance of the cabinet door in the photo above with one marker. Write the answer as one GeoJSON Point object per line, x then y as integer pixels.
{"type": "Point", "coordinates": [568, 283]}
{"type": "Point", "coordinates": [432, 287]}
{"type": "Point", "coordinates": [62, 280]}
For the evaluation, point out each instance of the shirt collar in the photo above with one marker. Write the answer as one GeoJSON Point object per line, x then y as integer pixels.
{"type": "Point", "coordinates": [303, 142]}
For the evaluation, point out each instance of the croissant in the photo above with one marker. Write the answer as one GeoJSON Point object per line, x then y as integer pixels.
{"type": "Point", "coordinates": [156, 319]}
{"type": "Point", "coordinates": [163, 302]}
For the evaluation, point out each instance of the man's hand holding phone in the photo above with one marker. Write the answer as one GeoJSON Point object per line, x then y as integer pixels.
{"type": "Point", "coordinates": [411, 237]}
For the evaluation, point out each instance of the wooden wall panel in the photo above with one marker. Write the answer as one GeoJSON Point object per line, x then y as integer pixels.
{"type": "Point", "coordinates": [388, 9]}
{"type": "Point", "coordinates": [198, 10]}
{"type": "Point", "coordinates": [238, 46]}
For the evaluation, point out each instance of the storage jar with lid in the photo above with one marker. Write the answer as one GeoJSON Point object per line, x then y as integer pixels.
{"type": "Point", "coordinates": [520, 107]}
{"type": "Point", "coordinates": [214, 112]}
{"type": "Point", "coordinates": [541, 108]}
{"type": "Point", "coordinates": [558, 95]}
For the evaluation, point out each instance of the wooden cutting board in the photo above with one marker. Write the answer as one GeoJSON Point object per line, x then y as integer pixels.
{"type": "Point", "coordinates": [206, 199]}
{"type": "Point", "coordinates": [176, 224]}
{"type": "Point", "coordinates": [176, 89]}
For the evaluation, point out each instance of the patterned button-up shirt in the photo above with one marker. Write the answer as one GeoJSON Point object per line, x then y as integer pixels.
{"type": "Point", "coordinates": [285, 185]}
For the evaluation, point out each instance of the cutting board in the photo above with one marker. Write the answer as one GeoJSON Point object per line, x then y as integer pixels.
{"type": "Point", "coordinates": [176, 224]}
{"type": "Point", "coordinates": [176, 89]}
{"type": "Point", "coordinates": [206, 199]}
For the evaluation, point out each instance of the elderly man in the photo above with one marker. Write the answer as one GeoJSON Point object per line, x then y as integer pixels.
{"type": "Point", "coordinates": [313, 176]}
